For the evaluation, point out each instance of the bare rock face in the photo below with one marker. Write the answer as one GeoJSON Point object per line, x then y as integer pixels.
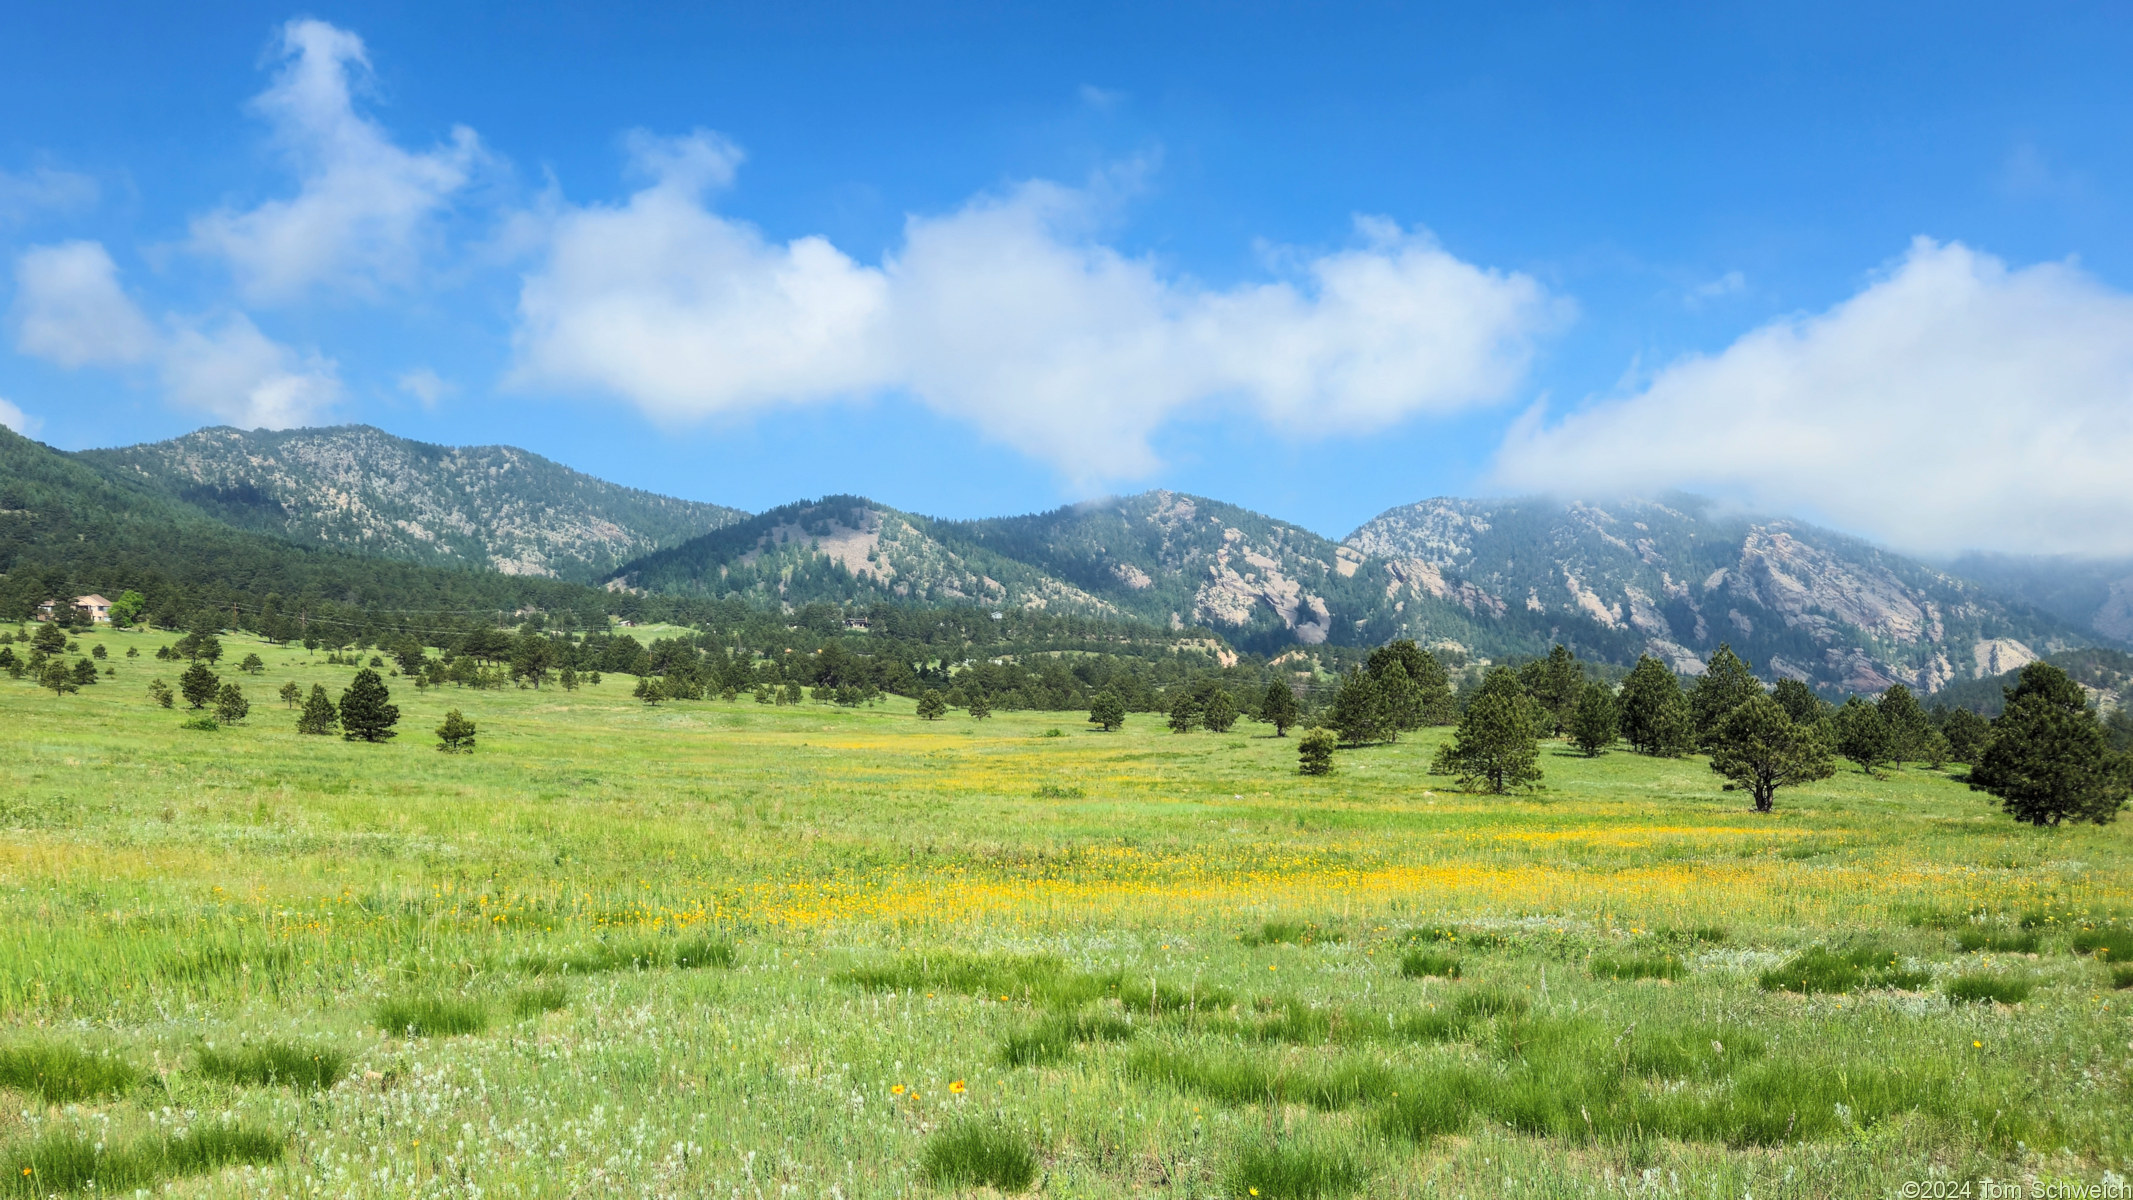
{"type": "Point", "coordinates": [1995, 656]}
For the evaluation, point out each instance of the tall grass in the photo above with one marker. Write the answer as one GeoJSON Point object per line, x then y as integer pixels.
{"type": "Point", "coordinates": [432, 1015]}
{"type": "Point", "coordinates": [979, 1154]}
{"type": "Point", "coordinates": [64, 1073]}
{"type": "Point", "coordinates": [265, 1064]}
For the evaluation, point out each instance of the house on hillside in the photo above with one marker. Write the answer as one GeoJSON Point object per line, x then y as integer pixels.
{"type": "Point", "coordinates": [98, 608]}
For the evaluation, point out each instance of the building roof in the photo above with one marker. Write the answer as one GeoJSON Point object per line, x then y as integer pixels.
{"type": "Point", "coordinates": [91, 601]}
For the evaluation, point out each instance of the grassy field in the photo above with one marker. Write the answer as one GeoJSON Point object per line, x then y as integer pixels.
{"type": "Point", "coordinates": [729, 949]}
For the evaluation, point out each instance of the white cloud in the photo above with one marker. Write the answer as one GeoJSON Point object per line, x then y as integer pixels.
{"type": "Point", "coordinates": [1952, 404]}
{"type": "Point", "coordinates": [23, 193]}
{"type": "Point", "coordinates": [21, 422]}
{"type": "Point", "coordinates": [240, 375]}
{"type": "Point", "coordinates": [1008, 313]}
{"type": "Point", "coordinates": [71, 309]}
{"type": "Point", "coordinates": [365, 210]}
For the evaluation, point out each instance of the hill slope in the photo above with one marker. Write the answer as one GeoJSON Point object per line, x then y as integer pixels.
{"type": "Point", "coordinates": [357, 488]}
{"type": "Point", "coordinates": [1680, 577]}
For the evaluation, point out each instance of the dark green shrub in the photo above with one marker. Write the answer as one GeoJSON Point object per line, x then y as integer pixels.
{"type": "Point", "coordinates": [433, 1016]}
{"type": "Point", "coordinates": [266, 1064]}
{"type": "Point", "coordinates": [538, 999]}
{"type": "Point", "coordinates": [2110, 945]}
{"type": "Point", "coordinates": [1053, 1038]}
{"type": "Point", "coordinates": [2122, 976]}
{"type": "Point", "coordinates": [979, 1154]}
{"type": "Point", "coordinates": [1977, 986]}
{"type": "Point", "coordinates": [2000, 940]}
{"type": "Point", "coordinates": [1427, 964]}
{"type": "Point", "coordinates": [1280, 1171]}
{"type": "Point", "coordinates": [64, 1074]}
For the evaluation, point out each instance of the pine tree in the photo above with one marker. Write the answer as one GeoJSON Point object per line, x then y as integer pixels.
{"type": "Point", "coordinates": [10, 663]}
{"type": "Point", "coordinates": [2049, 761]}
{"type": "Point", "coordinates": [1654, 714]}
{"type": "Point", "coordinates": [979, 707]}
{"type": "Point", "coordinates": [1862, 735]}
{"type": "Point", "coordinates": [50, 639]}
{"type": "Point", "coordinates": [1398, 698]}
{"type": "Point", "coordinates": [1279, 709]}
{"type": "Point", "coordinates": [1760, 748]}
{"type": "Point", "coordinates": [1557, 685]}
{"type": "Point", "coordinates": [1219, 713]}
{"type": "Point", "coordinates": [1185, 713]}
{"type": "Point", "coordinates": [568, 677]}
{"type": "Point", "coordinates": [1495, 747]}
{"type": "Point", "coordinates": [55, 675]}
{"type": "Point", "coordinates": [1431, 703]}
{"type": "Point", "coordinates": [84, 672]}
{"type": "Point", "coordinates": [1107, 712]}
{"type": "Point", "coordinates": [930, 706]}
{"type": "Point", "coordinates": [1593, 726]}
{"type": "Point", "coordinates": [1727, 683]}
{"type": "Point", "coordinates": [290, 693]}
{"type": "Point", "coordinates": [366, 715]}
{"type": "Point", "coordinates": [230, 704]}
{"type": "Point", "coordinates": [1799, 702]}
{"type": "Point", "coordinates": [198, 685]}
{"type": "Point", "coordinates": [160, 692]}
{"type": "Point", "coordinates": [456, 735]}
{"type": "Point", "coordinates": [1358, 710]}
{"type": "Point", "coordinates": [252, 665]}
{"type": "Point", "coordinates": [1910, 732]}
{"type": "Point", "coordinates": [649, 690]}
{"type": "Point", "coordinates": [1968, 735]}
{"type": "Point", "coordinates": [1314, 752]}
{"type": "Point", "coordinates": [319, 715]}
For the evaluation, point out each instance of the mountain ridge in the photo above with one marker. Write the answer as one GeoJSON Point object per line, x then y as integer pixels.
{"type": "Point", "coordinates": [358, 487]}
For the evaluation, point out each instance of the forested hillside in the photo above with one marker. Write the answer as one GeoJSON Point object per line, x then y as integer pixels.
{"type": "Point", "coordinates": [361, 489]}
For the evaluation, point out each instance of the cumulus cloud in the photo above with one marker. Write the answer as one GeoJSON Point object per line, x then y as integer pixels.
{"type": "Point", "coordinates": [1010, 313]}
{"type": "Point", "coordinates": [1954, 403]}
{"type": "Point", "coordinates": [364, 210]}
{"type": "Point", "coordinates": [16, 419]}
{"type": "Point", "coordinates": [71, 309]}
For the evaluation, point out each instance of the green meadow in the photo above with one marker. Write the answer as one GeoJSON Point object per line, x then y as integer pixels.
{"type": "Point", "coordinates": [734, 949]}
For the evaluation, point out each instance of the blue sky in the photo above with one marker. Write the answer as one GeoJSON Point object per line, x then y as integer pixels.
{"type": "Point", "coordinates": [970, 260]}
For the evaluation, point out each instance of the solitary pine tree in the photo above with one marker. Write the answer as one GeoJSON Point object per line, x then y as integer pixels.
{"type": "Point", "coordinates": [252, 665]}
{"type": "Point", "coordinates": [291, 694]}
{"type": "Point", "coordinates": [1495, 747]}
{"type": "Point", "coordinates": [1398, 699]}
{"type": "Point", "coordinates": [930, 705]}
{"type": "Point", "coordinates": [366, 712]}
{"type": "Point", "coordinates": [1727, 684]}
{"type": "Point", "coordinates": [55, 675]}
{"type": "Point", "coordinates": [1107, 712]}
{"type": "Point", "coordinates": [980, 708]}
{"type": "Point", "coordinates": [2049, 761]}
{"type": "Point", "coordinates": [1862, 735]}
{"type": "Point", "coordinates": [1593, 726]}
{"type": "Point", "coordinates": [198, 685]}
{"type": "Point", "coordinates": [1426, 696]}
{"type": "Point", "coordinates": [1279, 709]}
{"type": "Point", "coordinates": [230, 704]}
{"type": "Point", "coordinates": [1760, 748]}
{"type": "Point", "coordinates": [1314, 752]}
{"type": "Point", "coordinates": [50, 639]}
{"type": "Point", "coordinates": [1185, 713]}
{"type": "Point", "coordinates": [319, 715]}
{"type": "Point", "coordinates": [1654, 713]}
{"type": "Point", "coordinates": [1219, 713]}
{"type": "Point", "coordinates": [160, 692]}
{"type": "Point", "coordinates": [456, 735]}
{"type": "Point", "coordinates": [84, 672]}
